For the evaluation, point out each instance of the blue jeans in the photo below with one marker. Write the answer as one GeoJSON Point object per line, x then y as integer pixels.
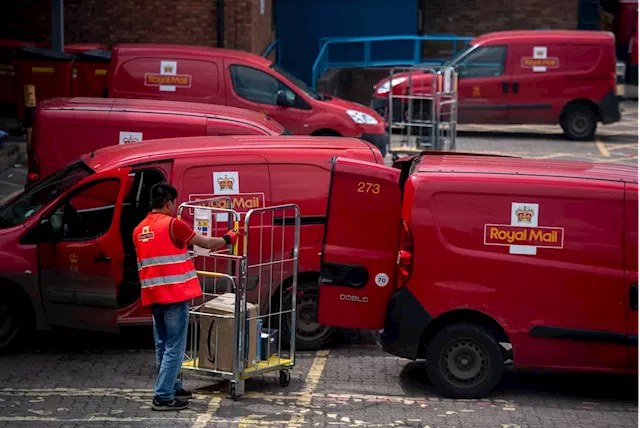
{"type": "Point", "coordinates": [170, 325]}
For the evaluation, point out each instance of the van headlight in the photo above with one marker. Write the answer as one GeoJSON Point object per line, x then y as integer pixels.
{"type": "Point", "coordinates": [362, 118]}
{"type": "Point", "coordinates": [384, 88]}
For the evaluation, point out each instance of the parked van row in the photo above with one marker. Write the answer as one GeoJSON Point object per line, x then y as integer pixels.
{"type": "Point", "coordinates": [195, 74]}
{"type": "Point", "coordinates": [541, 77]}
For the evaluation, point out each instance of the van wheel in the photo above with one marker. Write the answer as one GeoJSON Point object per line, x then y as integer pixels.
{"type": "Point", "coordinates": [13, 321]}
{"type": "Point", "coordinates": [579, 123]}
{"type": "Point", "coordinates": [310, 335]}
{"type": "Point", "coordinates": [464, 361]}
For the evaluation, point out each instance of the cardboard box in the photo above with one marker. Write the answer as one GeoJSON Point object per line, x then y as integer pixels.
{"type": "Point", "coordinates": [221, 329]}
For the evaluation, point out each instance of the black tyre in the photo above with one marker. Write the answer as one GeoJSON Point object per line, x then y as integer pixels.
{"type": "Point", "coordinates": [579, 123]}
{"type": "Point", "coordinates": [285, 378]}
{"type": "Point", "coordinates": [464, 361]}
{"type": "Point", "coordinates": [310, 335]}
{"type": "Point", "coordinates": [14, 321]}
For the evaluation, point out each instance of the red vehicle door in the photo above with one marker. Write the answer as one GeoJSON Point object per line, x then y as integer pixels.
{"type": "Point", "coordinates": [257, 90]}
{"type": "Point", "coordinates": [631, 270]}
{"type": "Point", "coordinates": [482, 95]}
{"type": "Point", "coordinates": [80, 253]}
{"type": "Point", "coordinates": [358, 262]}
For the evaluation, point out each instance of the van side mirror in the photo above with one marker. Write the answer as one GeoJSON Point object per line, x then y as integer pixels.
{"type": "Point", "coordinates": [285, 98]}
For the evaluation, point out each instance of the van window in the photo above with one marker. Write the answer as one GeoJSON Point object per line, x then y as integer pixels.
{"type": "Point", "coordinates": [485, 61]}
{"type": "Point", "coordinates": [32, 200]}
{"type": "Point", "coordinates": [88, 213]}
{"type": "Point", "coordinates": [255, 85]}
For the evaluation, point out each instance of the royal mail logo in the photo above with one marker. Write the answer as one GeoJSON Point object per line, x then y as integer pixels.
{"type": "Point", "coordinates": [524, 235]}
{"type": "Point", "coordinates": [130, 137]}
{"type": "Point", "coordinates": [73, 258]}
{"type": "Point", "coordinates": [178, 80]}
{"type": "Point", "coordinates": [500, 234]}
{"type": "Point", "coordinates": [240, 203]}
{"type": "Point", "coordinates": [540, 61]}
{"type": "Point", "coordinates": [146, 234]}
{"type": "Point", "coordinates": [226, 183]}
{"type": "Point", "coordinates": [168, 79]}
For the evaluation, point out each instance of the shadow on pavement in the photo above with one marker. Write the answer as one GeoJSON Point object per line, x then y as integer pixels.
{"type": "Point", "coordinates": [519, 384]}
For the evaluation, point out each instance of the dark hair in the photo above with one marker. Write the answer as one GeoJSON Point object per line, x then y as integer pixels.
{"type": "Point", "coordinates": [161, 193]}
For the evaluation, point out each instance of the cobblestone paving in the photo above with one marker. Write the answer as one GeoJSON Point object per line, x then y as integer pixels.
{"type": "Point", "coordinates": [76, 379]}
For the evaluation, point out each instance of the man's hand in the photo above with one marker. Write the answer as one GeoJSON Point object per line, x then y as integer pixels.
{"type": "Point", "coordinates": [230, 237]}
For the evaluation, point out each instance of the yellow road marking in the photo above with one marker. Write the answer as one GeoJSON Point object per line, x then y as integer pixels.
{"type": "Point", "coordinates": [310, 384]}
{"type": "Point", "coordinates": [204, 418]}
{"type": "Point", "coordinates": [603, 149]}
{"type": "Point", "coordinates": [622, 146]}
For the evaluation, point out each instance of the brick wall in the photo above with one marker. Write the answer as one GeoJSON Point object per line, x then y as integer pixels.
{"type": "Point", "coordinates": [151, 21]}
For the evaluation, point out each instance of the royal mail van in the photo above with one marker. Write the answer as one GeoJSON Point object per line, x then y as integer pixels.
{"type": "Point", "coordinates": [237, 79]}
{"type": "Point", "coordinates": [83, 273]}
{"type": "Point", "coordinates": [478, 260]}
{"type": "Point", "coordinates": [66, 128]}
{"type": "Point", "coordinates": [537, 77]}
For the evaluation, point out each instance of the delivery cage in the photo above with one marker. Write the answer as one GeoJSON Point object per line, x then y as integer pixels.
{"type": "Point", "coordinates": [424, 116]}
{"type": "Point", "coordinates": [235, 327]}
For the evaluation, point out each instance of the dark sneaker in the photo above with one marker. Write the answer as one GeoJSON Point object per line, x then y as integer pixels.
{"type": "Point", "coordinates": [184, 394]}
{"type": "Point", "coordinates": [175, 404]}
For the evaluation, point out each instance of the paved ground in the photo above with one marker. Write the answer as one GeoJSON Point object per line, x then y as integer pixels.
{"type": "Point", "coordinates": [73, 379]}
{"type": "Point", "coordinates": [92, 380]}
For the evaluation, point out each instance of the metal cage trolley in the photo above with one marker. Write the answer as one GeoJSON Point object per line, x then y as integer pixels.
{"type": "Point", "coordinates": [249, 293]}
{"type": "Point", "coordinates": [424, 116]}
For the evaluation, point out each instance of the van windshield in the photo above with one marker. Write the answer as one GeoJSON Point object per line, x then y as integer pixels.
{"type": "Point", "coordinates": [33, 199]}
{"type": "Point", "coordinates": [299, 83]}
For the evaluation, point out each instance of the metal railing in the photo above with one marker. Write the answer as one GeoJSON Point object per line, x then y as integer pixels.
{"type": "Point", "coordinates": [273, 46]}
{"type": "Point", "coordinates": [323, 62]}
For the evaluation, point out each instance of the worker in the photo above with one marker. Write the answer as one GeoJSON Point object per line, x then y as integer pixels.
{"type": "Point", "coordinates": [169, 280]}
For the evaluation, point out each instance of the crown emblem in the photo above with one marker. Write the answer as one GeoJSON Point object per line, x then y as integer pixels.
{"type": "Point", "coordinates": [168, 68]}
{"type": "Point", "coordinates": [225, 183]}
{"type": "Point", "coordinates": [524, 214]}
{"type": "Point", "coordinates": [73, 258]}
{"type": "Point", "coordinates": [540, 52]}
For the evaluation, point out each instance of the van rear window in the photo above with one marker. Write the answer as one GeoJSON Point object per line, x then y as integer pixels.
{"type": "Point", "coordinates": [33, 199]}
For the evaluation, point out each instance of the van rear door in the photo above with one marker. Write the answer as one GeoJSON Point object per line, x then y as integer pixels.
{"type": "Point", "coordinates": [358, 263]}
{"type": "Point", "coordinates": [80, 269]}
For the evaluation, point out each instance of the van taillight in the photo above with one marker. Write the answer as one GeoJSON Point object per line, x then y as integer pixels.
{"type": "Point", "coordinates": [405, 256]}
{"type": "Point", "coordinates": [33, 168]}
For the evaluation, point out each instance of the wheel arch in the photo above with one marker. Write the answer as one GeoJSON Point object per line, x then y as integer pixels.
{"type": "Point", "coordinates": [327, 132]}
{"type": "Point", "coordinates": [595, 108]}
{"type": "Point", "coordinates": [459, 316]}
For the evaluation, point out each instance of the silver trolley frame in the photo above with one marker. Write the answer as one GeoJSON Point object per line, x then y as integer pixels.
{"type": "Point", "coordinates": [425, 117]}
{"type": "Point", "coordinates": [270, 263]}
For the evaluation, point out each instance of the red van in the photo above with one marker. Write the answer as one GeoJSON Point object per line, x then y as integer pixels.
{"type": "Point", "coordinates": [238, 79]}
{"type": "Point", "coordinates": [87, 278]}
{"type": "Point", "coordinates": [66, 128]}
{"type": "Point", "coordinates": [538, 77]}
{"type": "Point", "coordinates": [478, 260]}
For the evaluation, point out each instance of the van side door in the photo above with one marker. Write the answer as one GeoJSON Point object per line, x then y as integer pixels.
{"type": "Point", "coordinates": [631, 270]}
{"type": "Point", "coordinates": [481, 94]}
{"type": "Point", "coordinates": [254, 89]}
{"type": "Point", "coordinates": [360, 248]}
{"type": "Point", "coordinates": [80, 253]}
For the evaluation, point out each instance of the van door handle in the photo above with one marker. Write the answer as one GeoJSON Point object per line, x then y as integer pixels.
{"type": "Point", "coordinates": [515, 87]}
{"type": "Point", "coordinates": [102, 259]}
{"type": "Point", "coordinates": [633, 296]}
{"type": "Point", "coordinates": [505, 87]}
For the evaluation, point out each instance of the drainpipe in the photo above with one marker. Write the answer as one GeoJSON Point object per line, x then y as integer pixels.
{"type": "Point", "coordinates": [220, 23]}
{"type": "Point", "coordinates": [57, 25]}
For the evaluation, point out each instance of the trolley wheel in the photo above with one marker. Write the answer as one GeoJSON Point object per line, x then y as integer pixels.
{"type": "Point", "coordinates": [285, 378]}
{"type": "Point", "coordinates": [233, 392]}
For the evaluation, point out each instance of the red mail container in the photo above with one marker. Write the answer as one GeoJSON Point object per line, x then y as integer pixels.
{"type": "Point", "coordinates": [49, 71]}
{"type": "Point", "coordinates": [8, 91]}
{"type": "Point", "coordinates": [89, 75]}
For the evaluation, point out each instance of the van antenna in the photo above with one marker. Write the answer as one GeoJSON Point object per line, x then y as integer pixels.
{"type": "Point", "coordinates": [93, 152]}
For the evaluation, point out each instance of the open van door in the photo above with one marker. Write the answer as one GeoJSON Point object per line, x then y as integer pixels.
{"type": "Point", "coordinates": [358, 263]}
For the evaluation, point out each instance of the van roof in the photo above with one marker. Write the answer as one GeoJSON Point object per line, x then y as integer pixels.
{"type": "Point", "coordinates": [502, 165]}
{"type": "Point", "coordinates": [187, 51]}
{"type": "Point", "coordinates": [540, 36]}
{"type": "Point", "coordinates": [185, 147]}
{"type": "Point", "coordinates": [162, 106]}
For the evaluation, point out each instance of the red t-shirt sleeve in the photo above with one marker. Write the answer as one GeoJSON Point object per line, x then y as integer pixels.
{"type": "Point", "coordinates": [181, 233]}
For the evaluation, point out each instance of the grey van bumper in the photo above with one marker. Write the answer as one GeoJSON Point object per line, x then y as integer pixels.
{"type": "Point", "coordinates": [379, 140]}
{"type": "Point", "coordinates": [610, 108]}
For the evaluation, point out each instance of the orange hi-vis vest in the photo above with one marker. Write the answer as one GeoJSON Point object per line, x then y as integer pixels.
{"type": "Point", "coordinates": [167, 274]}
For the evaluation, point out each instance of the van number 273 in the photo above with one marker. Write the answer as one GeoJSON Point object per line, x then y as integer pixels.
{"type": "Point", "coordinates": [365, 187]}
